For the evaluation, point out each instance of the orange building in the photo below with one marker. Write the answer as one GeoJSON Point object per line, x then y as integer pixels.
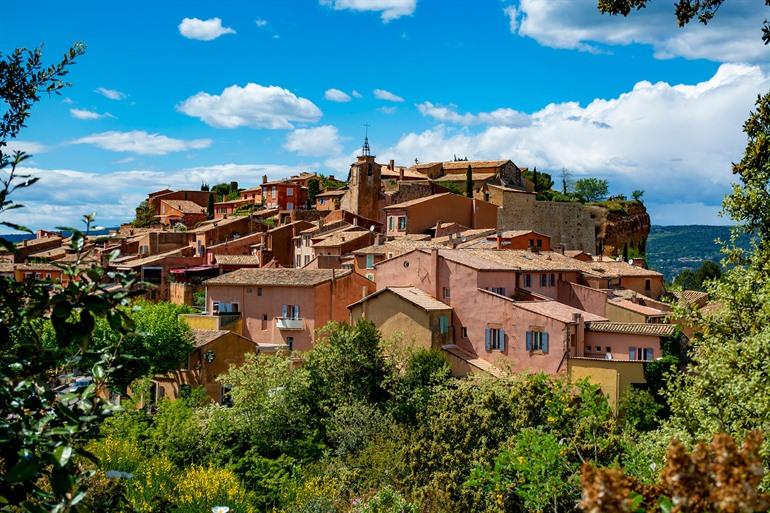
{"type": "Point", "coordinates": [423, 214]}
{"type": "Point", "coordinates": [186, 212]}
{"type": "Point", "coordinates": [284, 195]}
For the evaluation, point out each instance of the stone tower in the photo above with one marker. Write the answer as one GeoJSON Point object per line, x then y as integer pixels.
{"type": "Point", "coordinates": [365, 185]}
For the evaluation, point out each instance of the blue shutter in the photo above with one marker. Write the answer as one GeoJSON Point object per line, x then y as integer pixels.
{"type": "Point", "coordinates": [502, 340]}
{"type": "Point", "coordinates": [529, 341]}
{"type": "Point", "coordinates": [632, 353]}
{"type": "Point", "coordinates": [545, 341]}
{"type": "Point", "coordinates": [487, 341]}
{"type": "Point", "coordinates": [283, 311]}
{"type": "Point", "coordinates": [296, 312]}
{"type": "Point", "coordinates": [648, 354]}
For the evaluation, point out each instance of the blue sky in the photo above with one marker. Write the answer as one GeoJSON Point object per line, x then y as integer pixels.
{"type": "Point", "coordinates": [175, 93]}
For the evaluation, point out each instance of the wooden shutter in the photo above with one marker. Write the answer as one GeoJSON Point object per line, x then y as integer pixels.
{"type": "Point", "coordinates": [501, 334]}
{"type": "Point", "coordinates": [544, 338]}
{"type": "Point", "coordinates": [487, 341]}
{"type": "Point", "coordinates": [528, 344]}
{"type": "Point", "coordinates": [284, 311]}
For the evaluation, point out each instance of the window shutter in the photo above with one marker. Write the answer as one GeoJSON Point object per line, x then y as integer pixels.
{"type": "Point", "coordinates": [545, 341]}
{"type": "Point", "coordinates": [529, 341]}
{"type": "Point", "coordinates": [487, 341]}
{"type": "Point", "coordinates": [502, 340]}
{"type": "Point", "coordinates": [283, 311]}
{"type": "Point", "coordinates": [296, 314]}
{"type": "Point", "coordinates": [632, 353]}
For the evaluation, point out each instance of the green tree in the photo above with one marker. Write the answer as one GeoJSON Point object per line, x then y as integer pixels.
{"type": "Point", "coordinates": [43, 428]}
{"type": "Point", "coordinates": [637, 195]}
{"type": "Point", "coordinates": [685, 10]}
{"type": "Point", "coordinates": [726, 388]}
{"type": "Point", "coordinates": [469, 182]}
{"type": "Point", "coordinates": [696, 280]}
{"type": "Point", "coordinates": [210, 207]}
{"type": "Point", "coordinates": [313, 190]}
{"type": "Point", "coordinates": [591, 189]}
{"type": "Point", "coordinates": [145, 216]}
{"type": "Point", "coordinates": [542, 181]}
{"type": "Point", "coordinates": [204, 187]}
{"type": "Point", "coordinates": [426, 371]}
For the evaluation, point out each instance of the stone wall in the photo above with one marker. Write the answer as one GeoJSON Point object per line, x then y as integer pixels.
{"type": "Point", "coordinates": [566, 223]}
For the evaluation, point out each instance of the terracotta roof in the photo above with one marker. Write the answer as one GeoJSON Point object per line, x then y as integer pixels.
{"type": "Point", "coordinates": [341, 237]}
{"type": "Point", "coordinates": [35, 242]}
{"type": "Point", "coordinates": [396, 246]}
{"type": "Point", "coordinates": [216, 223]}
{"type": "Point", "coordinates": [512, 259]}
{"type": "Point", "coordinates": [236, 259]}
{"type": "Point", "coordinates": [34, 267]}
{"type": "Point", "coordinates": [425, 199]}
{"type": "Point", "coordinates": [132, 264]}
{"type": "Point", "coordinates": [691, 297]}
{"type": "Point", "coordinates": [233, 202]}
{"type": "Point", "coordinates": [278, 277]}
{"type": "Point", "coordinates": [473, 360]}
{"type": "Point", "coordinates": [203, 337]}
{"type": "Point", "coordinates": [636, 307]}
{"type": "Point", "coordinates": [572, 253]}
{"type": "Point", "coordinates": [413, 295]}
{"type": "Point", "coordinates": [615, 268]}
{"type": "Point", "coordinates": [632, 328]}
{"type": "Point", "coordinates": [185, 206]}
{"type": "Point", "coordinates": [336, 192]}
{"type": "Point", "coordinates": [556, 310]}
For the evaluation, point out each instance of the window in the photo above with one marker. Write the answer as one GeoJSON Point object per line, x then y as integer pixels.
{"type": "Point", "coordinates": [443, 324]}
{"type": "Point", "coordinates": [543, 280]}
{"type": "Point", "coordinates": [290, 191]}
{"type": "Point", "coordinates": [537, 341]}
{"type": "Point", "coordinates": [264, 317]}
{"type": "Point", "coordinates": [391, 223]}
{"type": "Point", "coordinates": [498, 290]}
{"type": "Point", "coordinates": [275, 190]}
{"type": "Point", "coordinates": [259, 291]}
{"type": "Point", "coordinates": [641, 353]}
{"type": "Point", "coordinates": [539, 243]}
{"type": "Point", "coordinates": [215, 307]}
{"type": "Point", "coordinates": [402, 223]}
{"type": "Point", "coordinates": [290, 312]}
{"type": "Point", "coordinates": [224, 396]}
{"type": "Point", "coordinates": [298, 259]}
{"type": "Point", "coordinates": [647, 284]}
{"type": "Point", "coordinates": [527, 280]}
{"type": "Point", "coordinates": [290, 206]}
{"type": "Point", "coordinates": [390, 254]}
{"type": "Point", "coordinates": [298, 243]}
{"type": "Point", "coordinates": [464, 332]}
{"type": "Point", "coordinates": [321, 201]}
{"type": "Point", "coordinates": [531, 242]}
{"type": "Point", "coordinates": [226, 307]}
{"type": "Point", "coordinates": [307, 259]}
{"type": "Point", "coordinates": [370, 277]}
{"type": "Point", "coordinates": [445, 292]}
{"type": "Point", "coordinates": [609, 349]}
{"type": "Point", "coordinates": [494, 339]}
{"type": "Point", "coordinates": [370, 261]}
{"type": "Point", "coordinates": [553, 280]}
{"type": "Point", "coordinates": [290, 343]}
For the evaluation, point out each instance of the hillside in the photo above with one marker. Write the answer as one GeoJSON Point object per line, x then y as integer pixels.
{"type": "Point", "coordinates": [672, 249]}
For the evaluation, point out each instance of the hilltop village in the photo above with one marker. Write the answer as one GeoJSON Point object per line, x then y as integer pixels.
{"type": "Point", "coordinates": [459, 256]}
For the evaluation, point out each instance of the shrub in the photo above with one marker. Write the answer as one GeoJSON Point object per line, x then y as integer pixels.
{"type": "Point", "coordinates": [387, 500]}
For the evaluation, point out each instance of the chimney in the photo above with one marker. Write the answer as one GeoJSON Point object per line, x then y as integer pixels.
{"type": "Point", "coordinates": [380, 239]}
{"type": "Point", "coordinates": [499, 239]}
{"type": "Point", "coordinates": [400, 173]}
{"type": "Point", "coordinates": [392, 164]}
{"type": "Point", "coordinates": [438, 227]}
{"type": "Point", "coordinates": [577, 317]}
{"type": "Point", "coordinates": [264, 179]}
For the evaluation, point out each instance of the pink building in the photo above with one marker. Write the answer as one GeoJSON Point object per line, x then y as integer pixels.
{"type": "Point", "coordinates": [507, 310]}
{"type": "Point", "coordinates": [285, 306]}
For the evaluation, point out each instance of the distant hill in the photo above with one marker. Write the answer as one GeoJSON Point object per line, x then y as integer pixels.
{"type": "Point", "coordinates": [672, 249]}
{"type": "Point", "coordinates": [18, 237]}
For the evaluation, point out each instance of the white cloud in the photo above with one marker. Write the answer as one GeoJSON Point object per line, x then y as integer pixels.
{"type": "Point", "coordinates": [252, 105]}
{"type": "Point", "coordinates": [382, 94]}
{"type": "Point", "coordinates": [732, 36]}
{"type": "Point", "coordinates": [29, 147]}
{"type": "Point", "coordinates": [676, 142]}
{"type": "Point", "coordinates": [388, 9]}
{"type": "Point", "coordinates": [88, 114]}
{"type": "Point", "coordinates": [141, 142]}
{"type": "Point", "coordinates": [259, 22]}
{"type": "Point", "coordinates": [315, 142]}
{"type": "Point", "coordinates": [62, 196]}
{"type": "Point", "coordinates": [387, 110]}
{"type": "Point", "coordinates": [356, 94]}
{"type": "Point", "coordinates": [449, 114]}
{"type": "Point", "coordinates": [112, 94]}
{"type": "Point", "coordinates": [203, 30]}
{"type": "Point", "coordinates": [335, 95]}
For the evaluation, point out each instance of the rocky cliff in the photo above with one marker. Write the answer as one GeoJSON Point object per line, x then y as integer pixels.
{"type": "Point", "coordinates": [621, 223]}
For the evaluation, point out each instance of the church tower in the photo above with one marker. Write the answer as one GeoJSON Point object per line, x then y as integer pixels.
{"type": "Point", "coordinates": [365, 184]}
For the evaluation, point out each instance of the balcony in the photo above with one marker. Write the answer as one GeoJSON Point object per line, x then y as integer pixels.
{"type": "Point", "coordinates": [287, 323]}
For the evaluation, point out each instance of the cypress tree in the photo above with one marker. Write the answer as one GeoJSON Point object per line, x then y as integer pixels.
{"type": "Point", "coordinates": [469, 182]}
{"type": "Point", "coordinates": [210, 209]}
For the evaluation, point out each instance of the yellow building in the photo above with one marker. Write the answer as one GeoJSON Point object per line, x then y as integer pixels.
{"type": "Point", "coordinates": [614, 377]}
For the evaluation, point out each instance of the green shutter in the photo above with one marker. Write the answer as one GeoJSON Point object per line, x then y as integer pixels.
{"type": "Point", "coordinates": [487, 342]}
{"type": "Point", "coordinates": [528, 345]}
{"type": "Point", "coordinates": [545, 341]}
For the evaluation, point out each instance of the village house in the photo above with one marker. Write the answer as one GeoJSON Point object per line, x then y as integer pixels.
{"type": "Point", "coordinates": [285, 306]}
{"type": "Point", "coordinates": [284, 195]}
{"type": "Point", "coordinates": [224, 209]}
{"type": "Point", "coordinates": [200, 198]}
{"type": "Point", "coordinates": [173, 211]}
{"type": "Point", "coordinates": [422, 215]}
{"type": "Point", "coordinates": [329, 200]}
{"type": "Point", "coordinates": [483, 172]}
